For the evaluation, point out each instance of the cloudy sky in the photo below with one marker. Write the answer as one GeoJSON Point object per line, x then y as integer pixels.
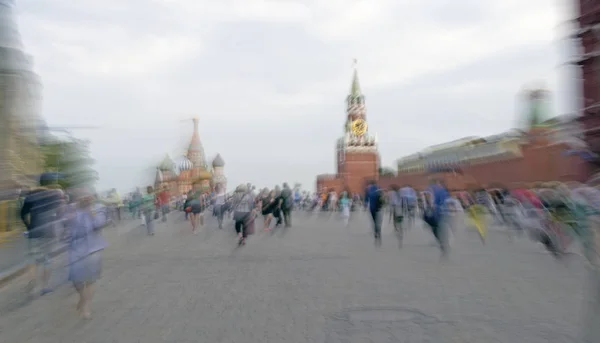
{"type": "Point", "coordinates": [268, 78]}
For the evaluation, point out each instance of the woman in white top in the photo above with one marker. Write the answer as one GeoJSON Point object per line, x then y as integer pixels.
{"type": "Point", "coordinates": [219, 203]}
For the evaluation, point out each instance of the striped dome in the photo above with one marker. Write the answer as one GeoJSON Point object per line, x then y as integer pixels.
{"type": "Point", "coordinates": [185, 164]}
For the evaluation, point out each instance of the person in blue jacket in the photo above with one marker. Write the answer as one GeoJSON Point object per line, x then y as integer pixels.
{"type": "Point", "coordinates": [374, 199]}
{"type": "Point", "coordinates": [437, 215]}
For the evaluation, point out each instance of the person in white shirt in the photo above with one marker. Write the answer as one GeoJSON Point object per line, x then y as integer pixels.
{"type": "Point", "coordinates": [333, 201]}
{"type": "Point", "coordinates": [219, 203]}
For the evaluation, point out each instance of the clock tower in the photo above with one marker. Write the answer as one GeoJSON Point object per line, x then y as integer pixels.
{"type": "Point", "coordinates": [357, 154]}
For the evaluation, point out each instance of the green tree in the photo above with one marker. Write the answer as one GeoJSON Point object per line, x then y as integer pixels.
{"type": "Point", "coordinates": [71, 157]}
{"type": "Point", "coordinates": [387, 171]}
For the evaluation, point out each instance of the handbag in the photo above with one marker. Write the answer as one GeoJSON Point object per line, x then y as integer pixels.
{"type": "Point", "coordinates": [240, 216]}
{"type": "Point", "coordinates": [156, 215]}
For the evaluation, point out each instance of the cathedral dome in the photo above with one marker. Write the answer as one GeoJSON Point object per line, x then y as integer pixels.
{"type": "Point", "coordinates": [218, 161]}
{"type": "Point", "coordinates": [185, 164]}
{"type": "Point", "coordinates": [167, 164]}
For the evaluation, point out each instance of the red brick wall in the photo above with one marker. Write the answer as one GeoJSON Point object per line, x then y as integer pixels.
{"type": "Point", "coordinates": [359, 167]}
{"type": "Point", "coordinates": [326, 182]}
{"type": "Point", "coordinates": [355, 170]}
{"type": "Point", "coordinates": [538, 164]}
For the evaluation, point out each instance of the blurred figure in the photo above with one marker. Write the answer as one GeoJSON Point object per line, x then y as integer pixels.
{"type": "Point", "coordinates": [136, 203]}
{"type": "Point", "coordinates": [42, 213]}
{"type": "Point", "coordinates": [186, 204]}
{"type": "Point", "coordinates": [148, 208]}
{"type": "Point", "coordinates": [195, 210]}
{"type": "Point", "coordinates": [219, 204]}
{"type": "Point", "coordinates": [435, 213]}
{"type": "Point", "coordinates": [164, 203]}
{"type": "Point", "coordinates": [244, 213]}
{"type": "Point", "coordinates": [345, 205]}
{"type": "Point", "coordinates": [269, 202]}
{"type": "Point", "coordinates": [287, 204]}
{"type": "Point", "coordinates": [115, 203]}
{"type": "Point", "coordinates": [478, 209]}
{"type": "Point", "coordinates": [375, 200]}
{"type": "Point", "coordinates": [396, 207]}
{"type": "Point", "coordinates": [85, 247]}
{"type": "Point", "coordinates": [408, 196]}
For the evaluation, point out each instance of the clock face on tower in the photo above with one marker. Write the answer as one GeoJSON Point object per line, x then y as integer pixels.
{"type": "Point", "coordinates": [359, 127]}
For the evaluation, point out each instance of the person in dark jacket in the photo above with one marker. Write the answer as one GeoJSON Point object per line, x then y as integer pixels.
{"type": "Point", "coordinates": [287, 204]}
{"type": "Point", "coordinates": [374, 197]}
{"type": "Point", "coordinates": [42, 214]}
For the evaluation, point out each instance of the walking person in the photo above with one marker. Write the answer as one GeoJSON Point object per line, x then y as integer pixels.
{"type": "Point", "coordinates": [195, 210]}
{"type": "Point", "coordinates": [164, 203]}
{"type": "Point", "coordinates": [287, 204]}
{"type": "Point", "coordinates": [268, 203]}
{"type": "Point", "coordinates": [149, 209]}
{"type": "Point", "coordinates": [244, 213]}
{"type": "Point", "coordinates": [42, 213]}
{"type": "Point", "coordinates": [85, 249]}
{"type": "Point", "coordinates": [186, 204]}
{"type": "Point", "coordinates": [396, 207]}
{"type": "Point", "coordinates": [136, 199]}
{"type": "Point", "coordinates": [408, 196]}
{"type": "Point", "coordinates": [219, 204]}
{"type": "Point", "coordinates": [345, 205]}
{"type": "Point", "coordinates": [435, 213]}
{"type": "Point", "coordinates": [375, 199]}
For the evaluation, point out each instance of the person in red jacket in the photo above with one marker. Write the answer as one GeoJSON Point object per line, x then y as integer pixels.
{"type": "Point", "coordinates": [163, 199]}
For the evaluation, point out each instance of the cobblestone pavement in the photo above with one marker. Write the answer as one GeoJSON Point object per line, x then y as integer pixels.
{"type": "Point", "coordinates": [316, 282]}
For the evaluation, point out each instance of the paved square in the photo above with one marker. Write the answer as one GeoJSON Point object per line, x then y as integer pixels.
{"type": "Point", "coordinates": [316, 282]}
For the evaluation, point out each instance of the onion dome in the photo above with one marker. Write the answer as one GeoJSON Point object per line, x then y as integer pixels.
{"type": "Point", "coordinates": [218, 161]}
{"type": "Point", "coordinates": [185, 164]}
{"type": "Point", "coordinates": [167, 164]}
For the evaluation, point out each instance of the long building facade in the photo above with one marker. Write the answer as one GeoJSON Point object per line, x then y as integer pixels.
{"type": "Point", "coordinates": [540, 153]}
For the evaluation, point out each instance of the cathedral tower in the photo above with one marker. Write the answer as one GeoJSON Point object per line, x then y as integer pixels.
{"type": "Point", "coordinates": [357, 155]}
{"type": "Point", "coordinates": [196, 150]}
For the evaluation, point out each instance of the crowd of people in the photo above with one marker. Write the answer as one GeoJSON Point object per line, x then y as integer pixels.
{"type": "Point", "coordinates": [553, 214]}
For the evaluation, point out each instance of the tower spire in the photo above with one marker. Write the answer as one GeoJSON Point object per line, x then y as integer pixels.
{"type": "Point", "coordinates": [195, 149]}
{"type": "Point", "coordinates": [355, 88]}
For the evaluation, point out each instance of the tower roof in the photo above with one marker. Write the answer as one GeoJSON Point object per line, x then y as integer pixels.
{"type": "Point", "coordinates": [355, 88]}
{"type": "Point", "coordinates": [195, 149]}
{"type": "Point", "coordinates": [166, 164]}
{"type": "Point", "coordinates": [218, 161]}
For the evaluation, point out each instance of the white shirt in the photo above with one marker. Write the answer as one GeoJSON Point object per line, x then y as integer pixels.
{"type": "Point", "coordinates": [220, 198]}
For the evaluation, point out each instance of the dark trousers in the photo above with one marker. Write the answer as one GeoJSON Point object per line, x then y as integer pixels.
{"type": "Point", "coordinates": [376, 216]}
{"type": "Point", "coordinates": [287, 216]}
{"type": "Point", "coordinates": [277, 214]}
{"type": "Point", "coordinates": [240, 226]}
{"type": "Point", "coordinates": [218, 212]}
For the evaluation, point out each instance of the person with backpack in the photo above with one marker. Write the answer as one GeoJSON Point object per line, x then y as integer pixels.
{"type": "Point", "coordinates": [374, 196]}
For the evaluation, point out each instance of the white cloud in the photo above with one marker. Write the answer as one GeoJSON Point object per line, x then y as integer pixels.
{"type": "Point", "coordinates": [142, 64]}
